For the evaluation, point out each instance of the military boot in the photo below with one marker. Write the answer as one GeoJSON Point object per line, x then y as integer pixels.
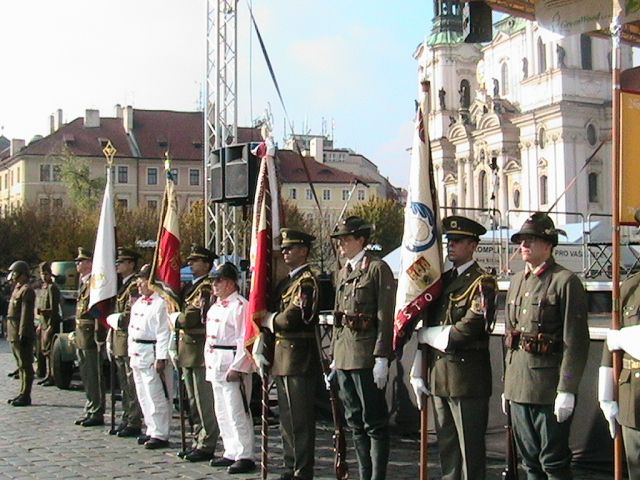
{"type": "Point", "coordinates": [363, 455]}
{"type": "Point", "coordinates": [379, 458]}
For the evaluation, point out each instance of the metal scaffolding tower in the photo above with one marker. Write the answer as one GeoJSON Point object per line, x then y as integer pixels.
{"type": "Point", "coordinates": [225, 229]}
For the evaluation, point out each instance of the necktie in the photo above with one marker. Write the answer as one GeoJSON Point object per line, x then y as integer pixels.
{"type": "Point", "coordinates": [454, 274]}
{"type": "Point", "coordinates": [349, 268]}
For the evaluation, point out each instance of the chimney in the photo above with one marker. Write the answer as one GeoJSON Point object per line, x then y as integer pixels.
{"type": "Point", "coordinates": [91, 118]}
{"type": "Point", "coordinates": [17, 144]}
{"type": "Point", "coordinates": [57, 124]}
{"type": "Point", "coordinates": [52, 124]}
{"type": "Point", "coordinates": [316, 147]}
{"type": "Point", "coordinates": [127, 118]}
{"type": "Point", "coordinates": [118, 110]}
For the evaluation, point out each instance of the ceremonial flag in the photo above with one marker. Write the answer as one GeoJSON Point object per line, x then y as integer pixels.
{"type": "Point", "coordinates": [419, 281]}
{"type": "Point", "coordinates": [103, 286]}
{"type": "Point", "coordinates": [264, 232]}
{"type": "Point", "coordinates": [165, 268]}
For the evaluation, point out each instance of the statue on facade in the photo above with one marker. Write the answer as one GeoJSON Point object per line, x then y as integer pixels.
{"type": "Point", "coordinates": [561, 53]}
{"type": "Point", "coordinates": [464, 96]}
{"type": "Point", "coordinates": [525, 68]}
{"type": "Point", "coordinates": [441, 94]}
{"type": "Point", "coordinates": [496, 88]}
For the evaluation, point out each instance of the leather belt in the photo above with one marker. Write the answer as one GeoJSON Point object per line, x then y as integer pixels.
{"type": "Point", "coordinates": [292, 335]}
{"type": "Point", "coordinates": [85, 321]}
{"type": "Point", "coordinates": [630, 364]}
{"type": "Point", "coordinates": [145, 342]}
{"type": "Point", "coordinates": [194, 331]}
{"type": "Point", "coordinates": [223, 347]}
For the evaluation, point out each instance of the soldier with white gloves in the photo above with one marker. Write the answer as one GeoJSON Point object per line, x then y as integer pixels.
{"type": "Point", "coordinates": [148, 346]}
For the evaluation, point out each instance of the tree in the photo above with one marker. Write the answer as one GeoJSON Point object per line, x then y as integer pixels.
{"type": "Point", "coordinates": [387, 216]}
{"type": "Point", "coordinates": [85, 192]}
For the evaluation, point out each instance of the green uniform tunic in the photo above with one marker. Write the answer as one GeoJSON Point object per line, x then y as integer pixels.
{"type": "Point", "coordinates": [21, 333]}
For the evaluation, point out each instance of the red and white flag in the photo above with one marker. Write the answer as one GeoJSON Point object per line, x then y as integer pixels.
{"type": "Point", "coordinates": [165, 269]}
{"type": "Point", "coordinates": [103, 286]}
{"type": "Point", "coordinates": [265, 228]}
{"type": "Point", "coordinates": [419, 281]}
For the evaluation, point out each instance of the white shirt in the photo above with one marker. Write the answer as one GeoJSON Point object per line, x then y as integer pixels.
{"type": "Point", "coordinates": [464, 267]}
{"type": "Point", "coordinates": [356, 258]}
{"type": "Point", "coordinates": [149, 321]}
{"type": "Point", "coordinates": [226, 323]}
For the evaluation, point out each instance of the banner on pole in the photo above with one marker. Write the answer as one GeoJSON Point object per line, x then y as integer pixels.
{"type": "Point", "coordinates": [629, 155]}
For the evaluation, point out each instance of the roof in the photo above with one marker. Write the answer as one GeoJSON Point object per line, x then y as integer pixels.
{"type": "Point", "coordinates": [291, 170]}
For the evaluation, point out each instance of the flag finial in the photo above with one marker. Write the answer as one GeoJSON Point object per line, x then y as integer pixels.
{"type": "Point", "coordinates": [109, 152]}
{"type": "Point", "coordinates": [167, 161]}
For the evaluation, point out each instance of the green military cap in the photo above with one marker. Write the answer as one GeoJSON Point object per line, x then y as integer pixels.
{"type": "Point", "coordinates": [457, 227]}
{"type": "Point", "coordinates": [125, 254]}
{"type": "Point", "coordinates": [539, 225]}
{"type": "Point", "coordinates": [290, 237]}
{"type": "Point", "coordinates": [351, 226]}
{"type": "Point", "coordinates": [84, 254]}
{"type": "Point", "coordinates": [45, 267]}
{"type": "Point", "coordinates": [145, 271]}
{"type": "Point", "coordinates": [227, 270]}
{"type": "Point", "coordinates": [199, 252]}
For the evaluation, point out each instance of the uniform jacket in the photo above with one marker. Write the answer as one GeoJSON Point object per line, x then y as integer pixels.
{"type": "Point", "coordinates": [368, 289]}
{"type": "Point", "coordinates": [296, 317]}
{"type": "Point", "coordinates": [149, 321]}
{"type": "Point", "coordinates": [86, 334]}
{"type": "Point", "coordinates": [226, 321]}
{"type": "Point", "coordinates": [464, 369]}
{"type": "Point", "coordinates": [48, 309]}
{"type": "Point", "coordinates": [20, 315]}
{"type": "Point", "coordinates": [196, 299]}
{"type": "Point", "coordinates": [536, 378]}
{"type": "Point", "coordinates": [127, 294]}
{"type": "Point", "coordinates": [629, 380]}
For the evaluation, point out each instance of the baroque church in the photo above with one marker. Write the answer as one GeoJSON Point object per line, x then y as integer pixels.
{"type": "Point", "coordinates": [513, 121]}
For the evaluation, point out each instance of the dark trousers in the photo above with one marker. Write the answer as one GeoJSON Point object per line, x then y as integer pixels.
{"type": "Point", "coordinates": [461, 425]}
{"type": "Point", "coordinates": [131, 410]}
{"type": "Point", "coordinates": [542, 442]}
{"type": "Point", "coordinates": [90, 363]}
{"type": "Point", "coordinates": [23, 353]}
{"type": "Point", "coordinates": [631, 438]}
{"type": "Point", "coordinates": [296, 404]}
{"type": "Point", "coordinates": [365, 410]}
{"type": "Point", "coordinates": [200, 395]}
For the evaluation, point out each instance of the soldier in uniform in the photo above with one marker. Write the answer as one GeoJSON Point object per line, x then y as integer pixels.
{"type": "Point", "coordinates": [48, 311]}
{"type": "Point", "coordinates": [296, 363]}
{"type": "Point", "coordinates": [196, 298]}
{"type": "Point", "coordinates": [131, 421]}
{"type": "Point", "coordinates": [547, 341]}
{"type": "Point", "coordinates": [458, 327]}
{"type": "Point", "coordinates": [229, 369]}
{"type": "Point", "coordinates": [624, 411]}
{"type": "Point", "coordinates": [21, 329]}
{"type": "Point", "coordinates": [362, 344]}
{"type": "Point", "coordinates": [90, 335]}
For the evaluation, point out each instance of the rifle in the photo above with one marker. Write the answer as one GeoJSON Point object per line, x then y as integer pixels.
{"type": "Point", "coordinates": [339, 440]}
{"type": "Point", "coordinates": [510, 471]}
{"type": "Point", "coordinates": [112, 384]}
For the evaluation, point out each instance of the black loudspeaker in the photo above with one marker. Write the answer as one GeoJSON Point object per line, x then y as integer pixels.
{"type": "Point", "coordinates": [240, 174]}
{"type": "Point", "coordinates": [477, 26]}
{"type": "Point", "coordinates": [217, 182]}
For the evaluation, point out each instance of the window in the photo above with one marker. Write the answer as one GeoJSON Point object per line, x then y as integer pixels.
{"type": "Point", "coordinates": [309, 195]}
{"type": "Point", "coordinates": [482, 189]}
{"type": "Point", "coordinates": [326, 194]}
{"type": "Point", "coordinates": [542, 56]}
{"type": "Point", "coordinates": [194, 177]}
{"type": "Point", "coordinates": [57, 203]}
{"type": "Point", "coordinates": [541, 137]}
{"type": "Point", "coordinates": [56, 173]}
{"type": "Point", "coordinates": [122, 203]}
{"type": "Point", "coordinates": [174, 174]}
{"type": "Point", "coordinates": [152, 176]}
{"type": "Point", "coordinates": [516, 198]}
{"type": "Point", "coordinates": [504, 78]}
{"type": "Point", "coordinates": [585, 52]}
{"type": "Point", "coordinates": [123, 174]}
{"type": "Point", "coordinates": [345, 195]}
{"type": "Point", "coordinates": [361, 195]}
{"type": "Point", "coordinates": [45, 173]}
{"type": "Point", "coordinates": [592, 135]}
{"type": "Point", "coordinates": [293, 193]}
{"type": "Point", "coordinates": [44, 203]}
{"type": "Point", "coordinates": [454, 204]}
{"type": "Point", "coordinates": [593, 187]}
{"type": "Point", "coordinates": [543, 190]}
{"type": "Point", "coordinates": [465, 94]}
{"type": "Point", "coordinates": [152, 204]}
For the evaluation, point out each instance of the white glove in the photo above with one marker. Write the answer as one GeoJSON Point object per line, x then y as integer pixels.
{"type": "Point", "coordinates": [503, 403]}
{"type": "Point", "coordinates": [608, 405]}
{"type": "Point", "coordinates": [380, 372]}
{"type": "Point", "coordinates": [436, 337]}
{"type": "Point", "coordinates": [267, 321]}
{"type": "Point", "coordinates": [563, 406]}
{"type": "Point", "coordinates": [113, 320]}
{"type": "Point", "coordinates": [261, 361]}
{"type": "Point", "coordinates": [328, 377]}
{"type": "Point", "coordinates": [416, 378]}
{"type": "Point", "coordinates": [627, 339]}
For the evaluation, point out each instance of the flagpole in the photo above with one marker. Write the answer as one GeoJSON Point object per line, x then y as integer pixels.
{"type": "Point", "coordinates": [616, 35]}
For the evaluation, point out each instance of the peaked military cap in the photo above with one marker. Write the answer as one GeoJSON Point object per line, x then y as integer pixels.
{"type": "Point", "coordinates": [45, 267]}
{"type": "Point", "coordinates": [227, 270]}
{"type": "Point", "coordinates": [84, 254]}
{"type": "Point", "coordinates": [539, 225]}
{"type": "Point", "coordinates": [125, 254]}
{"type": "Point", "coordinates": [457, 227]}
{"type": "Point", "coordinates": [199, 252]}
{"type": "Point", "coordinates": [290, 237]}
{"type": "Point", "coordinates": [351, 226]}
{"type": "Point", "coordinates": [145, 271]}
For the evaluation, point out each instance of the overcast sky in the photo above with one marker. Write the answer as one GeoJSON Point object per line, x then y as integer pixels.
{"type": "Point", "coordinates": [347, 61]}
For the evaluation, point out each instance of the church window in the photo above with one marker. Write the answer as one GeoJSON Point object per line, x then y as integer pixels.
{"type": "Point", "coordinates": [504, 78]}
{"type": "Point", "coordinates": [592, 135]}
{"type": "Point", "coordinates": [585, 52]}
{"type": "Point", "coordinates": [544, 194]}
{"type": "Point", "coordinates": [482, 189]}
{"type": "Point", "coordinates": [542, 56]}
{"type": "Point", "coordinates": [593, 187]}
{"type": "Point", "coordinates": [541, 139]}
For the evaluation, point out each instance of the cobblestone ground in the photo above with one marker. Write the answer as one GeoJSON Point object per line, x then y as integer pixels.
{"type": "Point", "coordinates": [41, 441]}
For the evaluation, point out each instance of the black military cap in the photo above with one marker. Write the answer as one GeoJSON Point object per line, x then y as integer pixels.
{"type": "Point", "coordinates": [145, 271]}
{"type": "Point", "coordinates": [539, 225]}
{"type": "Point", "coordinates": [290, 237]}
{"type": "Point", "coordinates": [125, 254]}
{"type": "Point", "coordinates": [45, 267]}
{"type": "Point", "coordinates": [84, 254]}
{"type": "Point", "coordinates": [199, 252]}
{"type": "Point", "coordinates": [351, 226]}
{"type": "Point", "coordinates": [457, 227]}
{"type": "Point", "coordinates": [226, 270]}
